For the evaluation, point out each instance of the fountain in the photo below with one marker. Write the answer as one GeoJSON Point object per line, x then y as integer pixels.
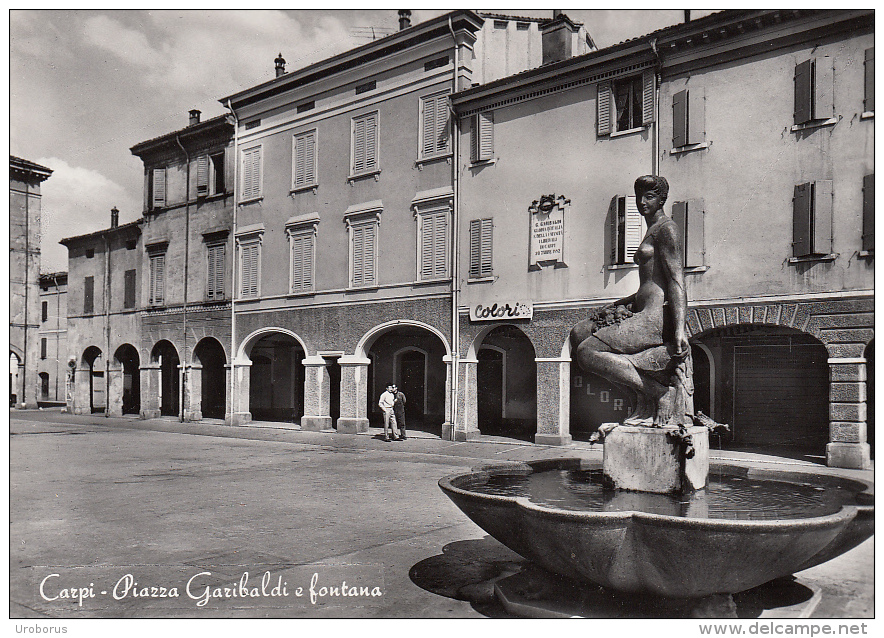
{"type": "Point", "coordinates": [656, 516]}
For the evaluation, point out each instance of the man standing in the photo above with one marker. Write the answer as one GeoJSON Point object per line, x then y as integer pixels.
{"type": "Point", "coordinates": [399, 411]}
{"type": "Point", "coordinates": [386, 404]}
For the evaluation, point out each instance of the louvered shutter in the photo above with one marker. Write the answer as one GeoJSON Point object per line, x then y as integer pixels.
{"type": "Point", "coordinates": [157, 278]}
{"type": "Point", "coordinates": [371, 142]}
{"type": "Point", "coordinates": [358, 250]}
{"type": "Point", "coordinates": [475, 243]}
{"type": "Point", "coordinates": [89, 295]}
{"type": "Point", "coordinates": [159, 187]}
{"type": "Point", "coordinates": [487, 228]}
{"type": "Point", "coordinates": [251, 178]}
{"type": "Point", "coordinates": [358, 146]}
{"type": "Point", "coordinates": [694, 235]}
{"type": "Point", "coordinates": [868, 239]}
{"type": "Point", "coordinates": [129, 288]}
{"type": "Point", "coordinates": [486, 135]}
{"type": "Point", "coordinates": [649, 86]}
{"type": "Point", "coordinates": [210, 275]}
{"type": "Point", "coordinates": [869, 101]}
{"type": "Point", "coordinates": [310, 158]}
{"type": "Point", "coordinates": [680, 217]}
{"type": "Point", "coordinates": [696, 115]}
{"type": "Point", "coordinates": [215, 278]}
{"type": "Point", "coordinates": [824, 88]}
{"type": "Point", "coordinates": [300, 161]}
{"type": "Point", "coordinates": [302, 262]}
{"type": "Point", "coordinates": [250, 270]}
{"type": "Point", "coordinates": [680, 119]}
{"type": "Point", "coordinates": [605, 101]}
{"type": "Point", "coordinates": [440, 251]}
{"type": "Point", "coordinates": [443, 127]}
{"type": "Point", "coordinates": [615, 229]}
{"type": "Point", "coordinates": [202, 175]}
{"type": "Point", "coordinates": [803, 92]}
{"type": "Point", "coordinates": [801, 221]}
{"type": "Point", "coordinates": [634, 228]}
{"type": "Point", "coordinates": [428, 237]}
{"type": "Point", "coordinates": [428, 122]}
{"type": "Point", "coordinates": [474, 138]}
{"type": "Point", "coordinates": [822, 217]}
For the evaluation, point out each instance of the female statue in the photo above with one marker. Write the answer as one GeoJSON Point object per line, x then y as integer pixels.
{"type": "Point", "coordinates": [639, 342]}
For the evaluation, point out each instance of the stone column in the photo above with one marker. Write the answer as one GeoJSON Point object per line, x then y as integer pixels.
{"type": "Point", "coordinates": [553, 401]}
{"type": "Point", "coordinates": [848, 446]}
{"type": "Point", "coordinates": [193, 393]}
{"type": "Point", "coordinates": [82, 399]}
{"type": "Point", "coordinates": [467, 428]}
{"type": "Point", "coordinates": [151, 382]}
{"type": "Point", "coordinates": [239, 403]}
{"type": "Point", "coordinates": [317, 387]}
{"type": "Point", "coordinates": [20, 401]}
{"type": "Point", "coordinates": [448, 425]}
{"type": "Point", "coordinates": [115, 391]}
{"type": "Point", "coordinates": [354, 386]}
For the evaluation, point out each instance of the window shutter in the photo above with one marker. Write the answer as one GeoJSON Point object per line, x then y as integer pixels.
{"type": "Point", "coordinates": [440, 253]}
{"type": "Point", "coordinates": [300, 160]}
{"type": "Point", "coordinates": [302, 262]}
{"type": "Point", "coordinates": [649, 85]}
{"type": "Point", "coordinates": [363, 254]}
{"type": "Point", "coordinates": [428, 236]}
{"type": "Point", "coordinates": [251, 178]}
{"type": "Point", "coordinates": [89, 295]}
{"type": "Point", "coordinates": [250, 256]}
{"type": "Point", "coordinates": [371, 142]}
{"type": "Point", "coordinates": [443, 128]}
{"type": "Point", "coordinates": [160, 285]}
{"type": "Point", "coordinates": [868, 239]}
{"type": "Point", "coordinates": [617, 219]}
{"type": "Point", "coordinates": [310, 158]}
{"type": "Point", "coordinates": [680, 217]}
{"type": "Point", "coordinates": [202, 175]}
{"type": "Point", "coordinates": [824, 88]}
{"type": "Point", "coordinates": [159, 187]}
{"type": "Point", "coordinates": [44, 311]}
{"type": "Point", "coordinates": [486, 135]}
{"type": "Point", "coordinates": [822, 217]}
{"type": "Point", "coordinates": [603, 105]}
{"type": "Point", "coordinates": [803, 92]}
{"type": "Point", "coordinates": [428, 143]}
{"type": "Point", "coordinates": [634, 228]}
{"type": "Point", "coordinates": [215, 279]}
{"type": "Point", "coordinates": [869, 101]}
{"type": "Point", "coordinates": [358, 146]}
{"type": "Point", "coordinates": [801, 221]}
{"type": "Point", "coordinates": [129, 288]}
{"type": "Point", "coordinates": [696, 115]}
{"type": "Point", "coordinates": [680, 119]}
{"type": "Point", "coordinates": [43, 348]}
{"type": "Point", "coordinates": [474, 138]}
{"type": "Point", "coordinates": [694, 235]}
{"type": "Point", "coordinates": [485, 248]}
{"type": "Point", "coordinates": [434, 242]}
{"type": "Point", "coordinates": [475, 241]}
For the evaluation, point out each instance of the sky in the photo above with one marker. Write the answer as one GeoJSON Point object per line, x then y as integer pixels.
{"type": "Point", "coordinates": [85, 86]}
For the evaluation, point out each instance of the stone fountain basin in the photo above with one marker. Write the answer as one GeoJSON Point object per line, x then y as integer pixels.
{"type": "Point", "coordinates": [660, 554]}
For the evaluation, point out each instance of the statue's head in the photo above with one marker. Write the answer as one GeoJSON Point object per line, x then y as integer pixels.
{"type": "Point", "coordinates": [653, 183]}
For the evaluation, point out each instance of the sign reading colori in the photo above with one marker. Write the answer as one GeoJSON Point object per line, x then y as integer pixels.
{"type": "Point", "coordinates": [501, 311]}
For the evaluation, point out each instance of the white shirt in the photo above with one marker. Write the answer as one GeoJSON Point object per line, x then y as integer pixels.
{"type": "Point", "coordinates": [387, 400]}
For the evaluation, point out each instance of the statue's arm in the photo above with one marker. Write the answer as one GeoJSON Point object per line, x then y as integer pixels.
{"type": "Point", "coordinates": [669, 245]}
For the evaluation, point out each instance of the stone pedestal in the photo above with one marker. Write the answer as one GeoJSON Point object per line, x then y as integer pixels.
{"type": "Point", "coordinates": [649, 459]}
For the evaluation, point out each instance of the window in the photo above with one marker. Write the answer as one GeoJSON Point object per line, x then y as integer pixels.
{"type": "Point", "coordinates": [43, 347]}
{"type": "Point", "coordinates": [482, 137]}
{"type": "Point", "coordinates": [626, 230]}
{"type": "Point", "coordinates": [157, 278]}
{"type": "Point", "coordinates": [689, 216]}
{"type": "Point", "coordinates": [438, 63]}
{"type": "Point", "coordinates": [626, 104]}
{"type": "Point", "coordinates": [433, 232]}
{"type": "Point", "coordinates": [251, 173]}
{"type": "Point", "coordinates": [131, 244]}
{"type": "Point", "coordinates": [869, 101]}
{"type": "Point", "coordinates": [364, 148]}
{"type": "Point", "coordinates": [368, 86]}
{"type": "Point", "coordinates": [158, 188]}
{"type": "Point", "coordinates": [215, 254]}
{"type": "Point", "coordinates": [814, 90]}
{"type": "Point", "coordinates": [217, 168]}
{"type": "Point", "coordinates": [249, 241]}
{"type": "Point", "coordinates": [480, 248]}
{"type": "Point", "coordinates": [129, 279]}
{"type": "Point", "coordinates": [522, 26]}
{"type": "Point", "coordinates": [89, 295]}
{"type": "Point", "coordinates": [306, 106]}
{"type": "Point", "coordinates": [202, 175]}
{"type": "Point", "coordinates": [304, 160]}
{"type": "Point", "coordinates": [44, 385]}
{"type": "Point", "coordinates": [688, 115]}
{"type": "Point", "coordinates": [44, 311]}
{"type": "Point", "coordinates": [210, 175]}
{"type": "Point", "coordinates": [253, 124]}
{"type": "Point", "coordinates": [90, 253]}
{"type": "Point", "coordinates": [301, 248]}
{"type": "Point", "coordinates": [363, 242]}
{"type": "Point", "coordinates": [868, 239]}
{"type": "Point", "coordinates": [435, 133]}
{"type": "Point", "coordinates": [812, 219]}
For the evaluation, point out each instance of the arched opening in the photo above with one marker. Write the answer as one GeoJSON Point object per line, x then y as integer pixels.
{"type": "Point", "coordinates": [869, 354]}
{"type": "Point", "coordinates": [412, 357]}
{"type": "Point", "coordinates": [506, 384]}
{"type": "Point", "coordinates": [14, 362]}
{"type": "Point", "coordinates": [209, 353]}
{"type": "Point", "coordinates": [276, 379]}
{"type": "Point", "coordinates": [93, 360]}
{"type": "Point", "coordinates": [44, 386]}
{"type": "Point", "coordinates": [165, 354]}
{"type": "Point", "coordinates": [127, 358]}
{"type": "Point", "coordinates": [704, 386]}
{"type": "Point", "coordinates": [771, 385]}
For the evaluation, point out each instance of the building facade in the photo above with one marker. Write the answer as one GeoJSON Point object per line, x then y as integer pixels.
{"type": "Point", "coordinates": [25, 178]}
{"type": "Point", "coordinates": [52, 367]}
{"type": "Point", "coordinates": [772, 187]}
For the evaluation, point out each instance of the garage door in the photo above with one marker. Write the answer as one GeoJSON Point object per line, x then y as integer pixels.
{"type": "Point", "coordinates": [781, 397]}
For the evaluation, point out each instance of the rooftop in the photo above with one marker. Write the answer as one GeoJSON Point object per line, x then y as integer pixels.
{"type": "Point", "coordinates": [99, 233]}
{"type": "Point", "coordinates": [27, 166]}
{"type": "Point", "coordinates": [187, 131]}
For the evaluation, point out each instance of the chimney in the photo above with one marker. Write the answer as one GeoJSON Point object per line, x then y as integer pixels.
{"type": "Point", "coordinates": [115, 215]}
{"type": "Point", "coordinates": [687, 15]}
{"type": "Point", "coordinates": [404, 18]}
{"type": "Point", "coordinates": [557, 37]}
{"type": "Point", "coordinates": [194, 117]}
{"type": "Point", "coordinates": [280, 65]}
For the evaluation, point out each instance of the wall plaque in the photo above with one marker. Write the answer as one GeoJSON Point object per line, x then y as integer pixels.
{"type": "Point", "coordinates": [548, 231]}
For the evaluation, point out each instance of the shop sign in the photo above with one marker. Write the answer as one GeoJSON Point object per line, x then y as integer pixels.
{"type": "Point", "coordinates": [548, 231]}
{"type": "Point", "coordinates": [502, 310]}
